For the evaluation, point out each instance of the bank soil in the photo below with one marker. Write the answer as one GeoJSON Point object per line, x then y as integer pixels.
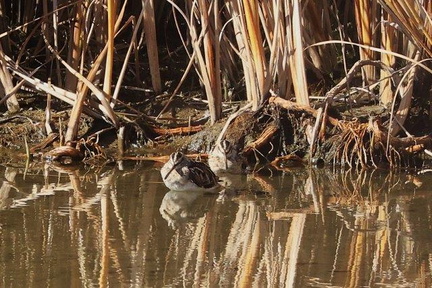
{"type": "Point", "coordinates": [280, 134]}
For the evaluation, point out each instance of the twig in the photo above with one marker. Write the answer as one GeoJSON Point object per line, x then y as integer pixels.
{"type": "Point", "coordinates": [164, 158]}
{"type": "Point", "coordinates": [315, 133]}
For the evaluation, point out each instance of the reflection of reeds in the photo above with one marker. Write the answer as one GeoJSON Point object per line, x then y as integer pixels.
{"type": "Point", "coordinates": [111, 233]}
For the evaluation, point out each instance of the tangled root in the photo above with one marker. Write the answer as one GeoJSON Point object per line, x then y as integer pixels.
{"type": "Point", "coordinates": [364, 145]}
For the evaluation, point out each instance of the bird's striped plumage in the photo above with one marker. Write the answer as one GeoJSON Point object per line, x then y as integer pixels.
{"type": "Point", "coordinates": [225, 158]}
{"type": "Point", "coordinates": [181, 173]}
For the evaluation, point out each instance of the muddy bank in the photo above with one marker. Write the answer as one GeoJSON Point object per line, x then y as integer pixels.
{"type": "Point", "coordinates": [281, 134]}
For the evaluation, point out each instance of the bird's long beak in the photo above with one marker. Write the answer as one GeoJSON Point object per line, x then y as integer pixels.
{"type": "Point", "coordinates": [169, 172]}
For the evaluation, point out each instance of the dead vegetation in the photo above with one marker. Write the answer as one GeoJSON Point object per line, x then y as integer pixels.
{"type": "Point", "coordinates": [133, 69]}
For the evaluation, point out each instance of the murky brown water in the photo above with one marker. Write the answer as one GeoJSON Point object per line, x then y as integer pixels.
{"type": "Point", "coordinates": [301, 228]}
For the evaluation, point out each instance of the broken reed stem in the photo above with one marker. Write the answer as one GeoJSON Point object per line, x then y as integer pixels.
{"type": "Point", "coordinates": [314, 140]}
{"type": "Point", "coordinates": [298, 69]}
{"type": "Point", "coordinates": [213, 85]}
{"type": "Point", "coordinates": [151, 43]}
{"type": "Point", "coordinates": [109, 61]}
{"type": "Point", "coordinates": [6, 84]}
{"type": "Point", "coordinates": [389, 42]}
{"type": "Point", "coordinates": [75, 47]}
{"type": "Point", "coordinates": [365, 20]}
{"type": "Point", "coordinates": [48, 113]}
{"type": "Point", "coordinates": [125, 63]}
{"type": "Point", "coordinates": [121, 141]}
{"type": "Point", "coordinates": [256, 48]}
{"type": "Point", "coordinates": [406, 92]}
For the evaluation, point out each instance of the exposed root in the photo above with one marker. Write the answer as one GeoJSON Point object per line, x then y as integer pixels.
{"type": "Point", "coordinates": [264, 138]}
{"type": "Point", "coordinates": [347, 143]}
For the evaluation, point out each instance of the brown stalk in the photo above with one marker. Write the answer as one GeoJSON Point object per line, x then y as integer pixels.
{"type": "Point", "coordinates": [151, 43]}
{"type": "Point", "coordinates": [256, 47]}
{"type": "Point", "coordinates": [28, 13]}
{"type": "Point", "coordinates": [50, 29]}
{"type": "Point", "coordinates": [263, 139]}
{"type": "Point", "coordinates": [204, 64]}
{"type": "Point", "coordinates": [406, 98]}
{"type": "Point", "coordinates": [126, 59]}
{"type": "Point", "coordinates": [316, 28]}
{"type": "Point", "coordinates": [178, 130]}
{"type": "Point", "coordinates": [76, 46]}
{"type": "Point", "coordinates": [243, 49]}
{"type": "Point", "coordinates": [413, 20]}
{"type": "Point", "coordinates": [211, 45]}
{"type": "Point", "coordinates": [297, 64]}
{"type": "Point", "coordinates": [6, 85]}
{"type": "Point", "coordinates": [77, 109]}
{"type": "Point", "coordinates": [277, 68]}
{"type": "Point", "coordinates": [55, 22]}
{"type": "Point", "coordinates": [110, 52]}
{"type": "Point", "coordinates": [365, 19]}
{"type": "Point", "coordinates": [388, 42]}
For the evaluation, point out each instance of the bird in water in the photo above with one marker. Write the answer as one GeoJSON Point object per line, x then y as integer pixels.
{"type": "Point", "coordinates": [225, 158]}
{"type": "Point", "coordinates": [181, 173]}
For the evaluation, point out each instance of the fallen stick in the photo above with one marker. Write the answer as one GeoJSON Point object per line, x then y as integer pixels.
{"type": "Point", "coordinates": [163, 158]}
{"type": "Point", "coordinates": [290, 105]}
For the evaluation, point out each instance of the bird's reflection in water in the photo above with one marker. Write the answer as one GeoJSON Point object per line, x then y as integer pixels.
{"type": "Point", "coordinates": [181, 206]}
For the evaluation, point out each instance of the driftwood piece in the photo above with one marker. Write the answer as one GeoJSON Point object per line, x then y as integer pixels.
{"type": "Point", "coordinates": [290, 105]}
{"type": "Point", "coordinates": [410, 144]}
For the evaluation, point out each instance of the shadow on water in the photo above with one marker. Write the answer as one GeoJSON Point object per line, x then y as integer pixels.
{"type": "Point", "coordinates": [300, 228]}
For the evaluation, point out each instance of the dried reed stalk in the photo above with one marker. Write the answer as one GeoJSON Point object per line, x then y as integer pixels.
{"type": "Point", "coordinates": [76, 46]}
{"type": "Point", "coordinates": [365, 13]}
{"type": "Point", "coordinates": [413, 19]}
{"type": "Point", "coordinates": [109, 61]}
{"type": "Point", "coordinates": [252, 30]}
{"type": "Point", "coordinates": [388, 42]}
{"type": "Point", "coordinates": [297, 65]}
{"type": "Point", "coordinates": [132, 45]}
{"type": "Point", "coordinates": [103, 97]}
{"type": "Point", "coordinates": [7, 86]}
{"type": "Point", "coordinates": [206, 62]}
{"type": "Point", "coordinates": [406, 91]}
{"type": "Point", "coordinates": [317, 27]}
{"type": "Point", "coordinates": [243, 50]}
{"type": "Point", "coordinates": [151, 43]}
{"type": "Point", "coordinates": [210, 66]}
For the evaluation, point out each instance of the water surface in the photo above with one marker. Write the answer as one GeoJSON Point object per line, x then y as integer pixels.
{"type": "Point", "coordinates": [297, 228]}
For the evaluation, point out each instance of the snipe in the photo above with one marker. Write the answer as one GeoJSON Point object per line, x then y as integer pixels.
{"type": "Point", "coordinates": [225, 158]}
{"type": "Point", "coordinates": [181, 173]}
